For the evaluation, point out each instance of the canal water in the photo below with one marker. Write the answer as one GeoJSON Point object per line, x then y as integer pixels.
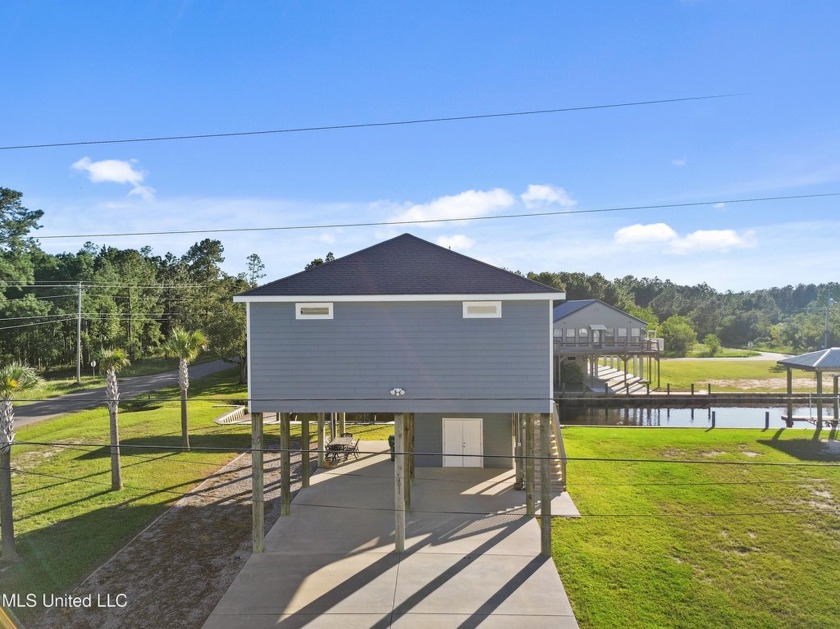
{"type": "Point", "coordinates": [725, 417]}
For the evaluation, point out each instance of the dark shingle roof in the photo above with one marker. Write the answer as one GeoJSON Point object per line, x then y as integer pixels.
{"type": "Point", "coordinates": [827, 359]}
{"type": "Point", "coordinates": [405, 265]}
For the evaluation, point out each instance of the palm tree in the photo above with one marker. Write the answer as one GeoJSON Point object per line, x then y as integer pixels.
{"type": "Point", "coordinates": [14, 378]}
{"type": "Point", "coordinates": [112, 361]}
{"type": "Point", "coordinates": [186, 346]}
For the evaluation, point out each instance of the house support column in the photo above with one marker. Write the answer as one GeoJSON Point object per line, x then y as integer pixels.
{"type": "Point", "coordinates": [399, 482]}
{"type": "Point", "coordinates": [285, 465]}
{"type": "Point", "coordinates": [409, 462]}
{"type": "Point", "coordinates": [304, 450]}
{"type": "Point", "coordinates": [321, 445]}
{"type": "Point", "coordinates": [789, 400]}
{"type": "Point", "coordinates": [257, 504]}
{"type": "Point", "coordinates": [530, 508]}
{"type": "Point", "coordinates": [342, 423]}
{"type": "Point", "coordinates": [836, 400]}
{"type": "Point", "coordinates": [819, 399]}
{"type": "Point", "coordinates": [545, 485]}
{"type": "Point", "coordinates": [519, 482]}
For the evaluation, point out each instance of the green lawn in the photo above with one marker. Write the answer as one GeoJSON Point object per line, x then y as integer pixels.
{"type": "Point", "coordinates": [701, 545]}
{"type": "Point", "coordinates": [701, 350]}
{"type": "Point", "coordinates": [733, 375]}
{"type": "Point", "coordinates": [67, 519]}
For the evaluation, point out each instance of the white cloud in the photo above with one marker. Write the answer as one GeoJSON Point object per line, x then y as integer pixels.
{"type": "Point", "coordinates": [719, 206]}
{"type": "Point", "coordinates": [539, 195]}
{"type": "Point", "coordinates": [679, 162]}
{"type": "Point", "coordinates": [712, 240]}
{"type": "Point", "coordinates": [459, 242]}
{"type": "Point", "coordinates": [116, 171]}
{"type": "Point", "coordinates": [468, 204]}
{"type": "Point", "coordinates": [655, 232]}
{"type": "Point", "coordinates": [700, 240]}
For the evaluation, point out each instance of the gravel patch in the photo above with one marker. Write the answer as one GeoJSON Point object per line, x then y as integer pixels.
{"type": "Point", "coordinates": [176, 570]}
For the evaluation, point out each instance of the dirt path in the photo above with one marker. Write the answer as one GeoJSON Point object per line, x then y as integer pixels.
{"type": "Point", "coordinates": [175, 571]}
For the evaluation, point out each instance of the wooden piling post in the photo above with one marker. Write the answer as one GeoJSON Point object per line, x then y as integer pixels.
{"type": "Point", "coordinates": [257, 504]}
{"type": "Point", "coordinates": [304, 450]}
{"type": "Point", "coordinates": [321, 444]}
{"type": "Point", "coordinates": [819, 399]}
{"type": "Point", "coordinates": [545, 481]}
{"type": "Point", "coordinates": [789, 397]}
{"type": "Point", "coordinates": [285, 465]}
{"type": "Point", "coordinates": [399, 482]}
{"type": "Point", "coordinates": [530, 508]}
{"type": "Point", "coordinates": [713, 419]}
{"type": "Point", "coordinates": [767, 420]}
{"type": "Point", "coordinates": [836, 400]}
{"type": "Point", "coordinates": [519, 479]}
{"type": "Point", "coordinates": [409, 462]}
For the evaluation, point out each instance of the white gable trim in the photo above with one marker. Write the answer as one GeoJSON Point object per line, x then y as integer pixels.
{"type": "Point", "coordinates": [395, 298]}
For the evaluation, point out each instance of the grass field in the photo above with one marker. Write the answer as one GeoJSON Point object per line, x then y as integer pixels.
{"type": "Point", "coordinates": [67, 519]}
{"type": "Point", "coordinates": [719, 543]}
{"type": "Point", "coordinates": [734, 375]}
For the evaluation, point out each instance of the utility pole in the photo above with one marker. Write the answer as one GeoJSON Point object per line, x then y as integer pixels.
{"type": "Point", "coordinates": [79, 336]}
{"type": "Point", "coordinates": [825, 332]}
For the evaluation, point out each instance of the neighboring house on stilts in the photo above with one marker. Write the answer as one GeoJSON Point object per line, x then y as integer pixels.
{"type": "Point", "coordinates": [614, 351]}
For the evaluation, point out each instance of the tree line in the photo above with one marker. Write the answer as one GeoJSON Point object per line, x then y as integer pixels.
{"type": "Point", "coordinates": [796, 319]}
{"type": "Point", "coordinates": [133, 300]}
{"type": "Point", "coordinates": [130, 299]}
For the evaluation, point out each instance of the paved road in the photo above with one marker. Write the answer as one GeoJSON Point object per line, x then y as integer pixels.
{"type": "Point", "coordinates": [129, 388]}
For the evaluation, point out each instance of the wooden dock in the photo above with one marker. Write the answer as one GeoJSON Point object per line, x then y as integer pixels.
{"type": "Point", "coordinates": [808, 418]}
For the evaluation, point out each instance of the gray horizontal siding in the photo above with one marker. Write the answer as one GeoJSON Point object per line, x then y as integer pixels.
{"type": "Point", "coordinates": [443, 361]}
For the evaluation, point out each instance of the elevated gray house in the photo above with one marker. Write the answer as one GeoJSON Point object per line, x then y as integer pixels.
{"type": "Point", "coordinates": [456, 348]}
{"type": "Point", "coordinates": [589, 330]}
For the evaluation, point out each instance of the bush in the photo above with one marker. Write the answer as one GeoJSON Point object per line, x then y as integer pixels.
{"type": "Point", "coordinates": [712, 343]}
{"type": "Point", "coordinates": [679, 336]}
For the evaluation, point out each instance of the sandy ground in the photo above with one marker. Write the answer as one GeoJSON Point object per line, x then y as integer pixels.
{"type": "Point", "coordinates": [767, 384]}
{"type": "Point", "coordinates": [175, 571]}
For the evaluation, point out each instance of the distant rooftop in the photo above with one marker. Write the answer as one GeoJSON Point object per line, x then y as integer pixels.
{"type": "Point", "coordinates": [561, 311]}
{"type": "Point", "coordinates": [823, 359]}
{"type": "Point", "coordinates": [405, 265]}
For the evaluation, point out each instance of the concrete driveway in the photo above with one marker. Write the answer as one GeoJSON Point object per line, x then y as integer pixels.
{"type": "Point", "coordinates": [472, 556]}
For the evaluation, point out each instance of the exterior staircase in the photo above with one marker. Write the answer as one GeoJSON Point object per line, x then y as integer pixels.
{"type": "Point", "coordinates": [614, 382]}
{"type": "Point", "coordinates": [558, 459]}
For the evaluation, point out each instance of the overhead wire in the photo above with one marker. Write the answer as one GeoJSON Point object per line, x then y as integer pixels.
{"type": "Point", "coordinates": [462, 219]}
{"type": "Point", "coordinates": [363, 125]}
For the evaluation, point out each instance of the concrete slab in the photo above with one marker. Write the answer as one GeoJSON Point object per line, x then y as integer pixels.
{"type": "Point", "coordinates": [472, 556]}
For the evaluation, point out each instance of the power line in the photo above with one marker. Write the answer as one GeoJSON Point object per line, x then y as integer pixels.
{"type": "Point", "coordinates": [498, 456]}
{"type": "Point", "coordinates": [628, 208]}
{"type": "Point", "coordinates": [29, 325]}
{"type": "Point", "coordinates": [363, 125]}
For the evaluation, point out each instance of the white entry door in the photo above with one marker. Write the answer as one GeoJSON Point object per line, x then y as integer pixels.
{"type": "Point", "coordinates": [462, 436]}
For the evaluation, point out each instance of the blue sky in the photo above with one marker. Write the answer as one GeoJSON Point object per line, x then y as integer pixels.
{"type": "Point", "coordinates": [76, 71]}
